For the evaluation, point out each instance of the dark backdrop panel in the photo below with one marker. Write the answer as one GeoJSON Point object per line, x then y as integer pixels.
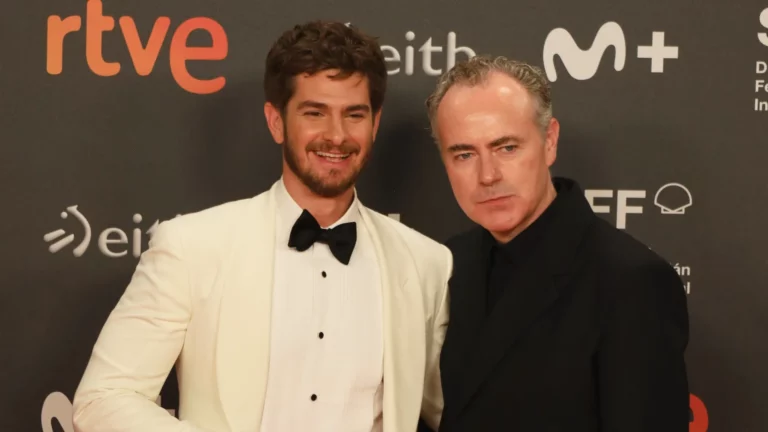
{"type": "Point", "coordinates": [112, 155]}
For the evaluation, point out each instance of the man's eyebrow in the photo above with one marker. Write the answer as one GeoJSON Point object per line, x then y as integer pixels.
{"type": "Point", "coordinates": [460, 147]}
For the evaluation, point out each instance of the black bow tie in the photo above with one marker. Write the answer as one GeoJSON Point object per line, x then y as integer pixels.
{"type": "Point", "coordinates": [341, 239]}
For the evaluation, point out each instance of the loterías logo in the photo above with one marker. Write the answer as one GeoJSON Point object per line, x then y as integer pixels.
{"type": "Point", "coordinates": [698, 420]}
{"type": "Point", "coordinates": [143, 54]}
{"type": "Point", "coordinates": [582, 64]}
{"type": "Point", "coordinates": [109, 240]}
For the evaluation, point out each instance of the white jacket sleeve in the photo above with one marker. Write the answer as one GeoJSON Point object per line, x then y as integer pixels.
{"type": "Point", "coordinates": [432, 405]}
{"type": "Point", "coordinates": [138, 346]}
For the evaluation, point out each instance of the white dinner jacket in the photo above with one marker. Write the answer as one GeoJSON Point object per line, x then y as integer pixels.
{"type": "Point", "coordinates": [200, 297]}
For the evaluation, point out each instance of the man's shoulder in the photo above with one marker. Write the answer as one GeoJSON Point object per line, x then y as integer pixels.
{"type": "Point", "coordinates": [410, 236]}
{"type": "Point", "coordinates": [213, 218]}
{"type": "Point", "coordinates": [425, 251]}
{"type": "Point", "coordinates": [636, 280]}
{"type": "Point", "coordinates": [619, 250]}
{"type": "Point", "coordinates": [632, 272]}
{"type": "Point", "coordinates": [466, 242]}
{"type": "Point", "coordinates": [206, 229]}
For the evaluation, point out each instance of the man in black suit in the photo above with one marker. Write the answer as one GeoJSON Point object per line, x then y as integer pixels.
{"type": "Point", "coordinates": [559, 321]}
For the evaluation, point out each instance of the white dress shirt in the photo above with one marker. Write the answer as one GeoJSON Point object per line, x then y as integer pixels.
{"type": "Point", "coordinates": [326, 346]}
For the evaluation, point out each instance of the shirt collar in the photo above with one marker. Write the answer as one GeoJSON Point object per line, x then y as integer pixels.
{"type": "Point", "coordinates": [524, 243]}
{"type": "Point", "coordinates": [288, 211]}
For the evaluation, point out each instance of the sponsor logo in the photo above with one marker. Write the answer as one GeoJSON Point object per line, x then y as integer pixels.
{"type": "Point", "coordinates": [582, 64]}
{"type": "Point", "coordinates": [761, 68]}
{"type": "Point", "coordinates": [144, 53]}
{"type": "Point", "coordinates": [112, 242]}
{"type": "Point", "coordinates": [671, 199]}
{"type": "Point", "coordinates": [684, 272]}
{"type": "Point", "coordinates": [698, 416]}
{"type": "Point", "coordinates": [432, 59]}
{"type": "Point", "coordinates": [58, 406]}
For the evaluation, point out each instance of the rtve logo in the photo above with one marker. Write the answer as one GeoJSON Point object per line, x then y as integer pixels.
{"type": "Point", "coordinates": [671, 199]}
{"type": "Point", "coordinates": [582, 64]}
{"type": "Point", "coordinates": [143, 54]}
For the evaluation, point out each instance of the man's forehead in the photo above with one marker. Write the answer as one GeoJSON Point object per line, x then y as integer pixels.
{"type": "Point", "coordinates": [478, 105]}
{"type": "Point", "coordinates": [331, 92]}
{"type": "Point", "coordinates": [332, 76]}
{"type": "Point", "coordinates": [497, 91]}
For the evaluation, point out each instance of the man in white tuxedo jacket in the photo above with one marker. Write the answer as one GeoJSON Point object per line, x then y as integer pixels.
{"type": "Point", "coordinates": [298, 309]}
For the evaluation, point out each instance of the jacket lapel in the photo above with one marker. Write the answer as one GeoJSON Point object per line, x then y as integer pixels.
{"type": "Point", "coordinates": [242, 350]}
{"type": "Point", "coordinates": [527, 296]}
{"type": "Point", "coordinates": [404, 338]}
{"type": "Point", "coordinates": [529, 293]}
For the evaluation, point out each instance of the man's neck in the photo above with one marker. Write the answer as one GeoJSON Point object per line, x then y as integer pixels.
{"type": "Point", "coordinates": [546, 201]}
{"type": "Point", "coordinates": [326, 210]}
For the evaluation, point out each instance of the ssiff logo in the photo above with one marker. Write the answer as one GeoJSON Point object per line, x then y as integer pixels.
{"type": "Point", "coordinates": [143, 54]}
{"type": "Point", "coordinates": [671, 199]}
{"type": "Point", "coordinates": [582, 64]}
{"type": "Point", "coordinates": [58, 239]}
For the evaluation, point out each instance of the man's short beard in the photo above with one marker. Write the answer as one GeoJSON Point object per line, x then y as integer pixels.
{"type": "Point", "coordinates": [316, 184]}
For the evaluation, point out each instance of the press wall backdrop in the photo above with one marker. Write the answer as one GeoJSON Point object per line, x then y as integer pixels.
{"type": "Point", "coordinates": [115, 115]}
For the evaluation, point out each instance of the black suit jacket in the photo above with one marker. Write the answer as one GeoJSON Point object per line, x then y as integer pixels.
{"type": "Point", "coordinates": [589, 335]}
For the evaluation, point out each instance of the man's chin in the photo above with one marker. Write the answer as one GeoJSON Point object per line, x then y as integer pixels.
{"type": "Point", "coordinates": [329, 186]}
{"type": "Point", "coordinates": [496, 224]}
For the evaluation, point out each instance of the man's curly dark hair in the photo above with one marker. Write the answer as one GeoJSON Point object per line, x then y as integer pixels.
{"type": "Point", "coordinates": [317, 46]}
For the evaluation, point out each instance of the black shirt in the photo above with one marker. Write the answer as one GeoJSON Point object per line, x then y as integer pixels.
{"type": "Point", "coordinates": [507, 258]}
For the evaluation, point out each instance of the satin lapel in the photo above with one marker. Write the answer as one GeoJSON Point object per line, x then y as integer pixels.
{"type": "Point", "coordinates": [242, 351]}
{"type": "Point", "coordinates": [403, 315]}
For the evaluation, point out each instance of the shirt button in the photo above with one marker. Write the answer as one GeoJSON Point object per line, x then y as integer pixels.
{"type": "Point", "coordinates": [313, 397]}
{"type": "Point", "coordinates": [324, 274]}
{"type": "Point", "coordinates": [321, 335]}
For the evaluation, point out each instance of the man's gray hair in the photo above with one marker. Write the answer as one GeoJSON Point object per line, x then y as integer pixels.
{"type": "Point", "coordinates": [475, 71]}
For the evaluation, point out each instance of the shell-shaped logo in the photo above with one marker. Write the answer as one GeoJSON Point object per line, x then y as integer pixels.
{"type": "Point", "coordinates": [673, 198]}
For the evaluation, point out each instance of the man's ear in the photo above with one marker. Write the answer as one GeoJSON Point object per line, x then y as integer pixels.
{"type": "Point", "coordinates": [550, 141]}
{"type": "Point", "coordinates": [376, 119]}
{"type": "Point", "coordinates": [275, 122]}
